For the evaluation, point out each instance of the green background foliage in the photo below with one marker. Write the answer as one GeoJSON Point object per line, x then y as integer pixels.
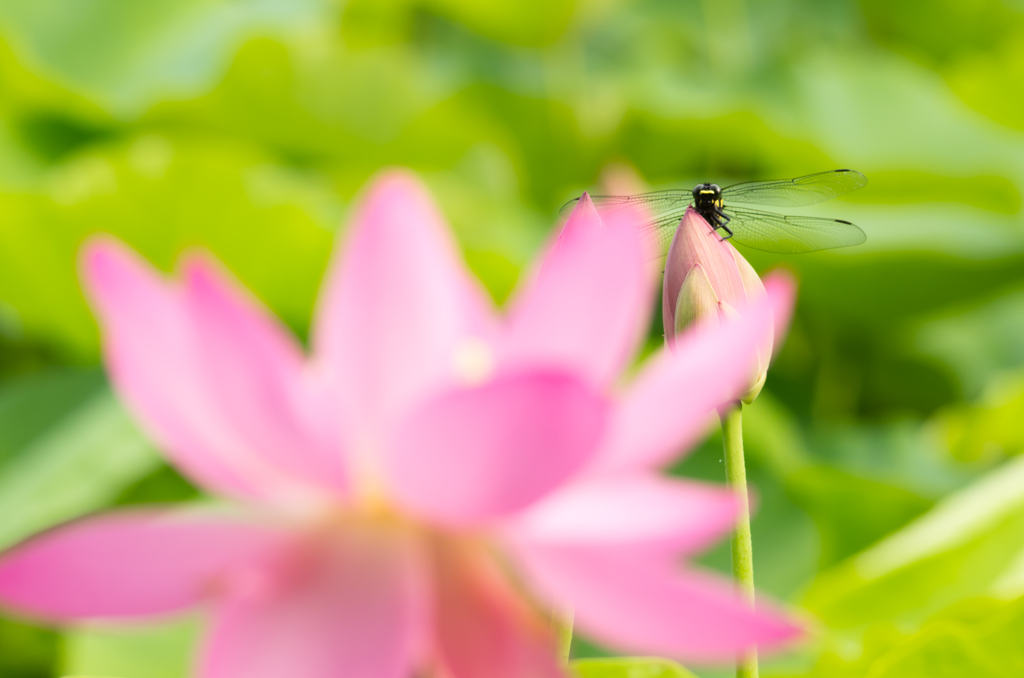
{"type": "Point", "coordinates": [884, 448]}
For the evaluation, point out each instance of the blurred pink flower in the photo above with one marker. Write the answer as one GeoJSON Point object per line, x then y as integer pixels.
{"type": "Point", "coordinates": [420, 493]}
{"type": "Point", "coordinates": [707, 280]}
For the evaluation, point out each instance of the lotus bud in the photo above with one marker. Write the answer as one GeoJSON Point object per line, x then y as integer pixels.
{"type": "Point", "coordinates": [707, 280]}
{"type": "Point", "coordinates": [697, 302]}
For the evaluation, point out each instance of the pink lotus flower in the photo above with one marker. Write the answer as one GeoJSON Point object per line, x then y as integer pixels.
{"type": "Point", "coordinates": [418, 495]}
{"type": "Point", "coordinates": [707, 280]}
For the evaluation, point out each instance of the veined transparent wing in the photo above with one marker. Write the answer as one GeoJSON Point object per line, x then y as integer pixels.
{"type": "Point", "coordinates": [806, 190]}
{"type": "Point", "coordinates": [664, 209]}
{"type": "Point", "coordinates": [790, 234]}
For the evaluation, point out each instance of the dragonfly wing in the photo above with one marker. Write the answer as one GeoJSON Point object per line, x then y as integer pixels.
{"type": "Point", "coordinates": [662, 209]}
{"type": "Point", "coordinates": [660, 231]}
{"type": "Point", "coordinates": [806, 190]}
{"type": "Point", "coordinates": [791, 234]}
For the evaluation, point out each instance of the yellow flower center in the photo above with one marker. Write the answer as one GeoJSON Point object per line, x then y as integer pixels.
{"type": "Point", "coordinates": [473, 361]}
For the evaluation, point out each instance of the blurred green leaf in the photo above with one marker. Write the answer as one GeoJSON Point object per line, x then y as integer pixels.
{"type": "Point", "coordinates": [852, 512]}
{"type": "Point", "coordinates": [990, 81]}
{"type": "Point", "coordinates": [269, 224]}
{"type": "Point", "coordinates": [968, 545]}
{"type": "Point", "coordinates": [978, 343]}
{"type": "Point", "coordinates": [163, 485]}
{"type": "Point", "coordinates": [980, 25]}
{"type": "Point", "coordinates": [149, 51]}
{"type": "Point", "coordinates": [991, 428]}
{"type": "Point", "coordinates": [976, 637]}
{"type": "Point", "coordinates": [903, 453]}
{"type": "Point", "coordinates": [67, 448]}
{"type": "Point", "coordinates": [29, 652]}
{"type": "Point", "coordinates": [150, 650]}
{"type": "Point", "coordinates": [79, 466]}
{"type": "Point", "coordinates": [775, 437]}
{"type": "Point", "coordinates": [629, 667]}
{"type": "Point", "coordinates": [31, 406]}
{"type": "Point", "coordinates": [992, 192]}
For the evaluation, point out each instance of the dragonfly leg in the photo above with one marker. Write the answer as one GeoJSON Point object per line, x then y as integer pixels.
{"type": "Point", "coordinates": [723, 219]}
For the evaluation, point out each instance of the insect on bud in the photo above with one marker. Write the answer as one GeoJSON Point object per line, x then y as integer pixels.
{"type": "Point", "coordinates": [707, 281]}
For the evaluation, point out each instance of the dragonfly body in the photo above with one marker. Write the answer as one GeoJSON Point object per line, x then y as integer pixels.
{"type": "Point", "coordinates": [707, 200]}
{"type": "Point", "coordinates": [754, 228]}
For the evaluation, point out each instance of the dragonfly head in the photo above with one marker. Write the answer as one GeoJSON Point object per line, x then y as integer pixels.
{"type": "Point", "coordinates": [707, 197]}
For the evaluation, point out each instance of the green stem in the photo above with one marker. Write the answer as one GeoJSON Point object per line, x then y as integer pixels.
{"type": "Point", "coordinates": [564, 628]}
{"type": "Point", "coordinates": [742, 551]}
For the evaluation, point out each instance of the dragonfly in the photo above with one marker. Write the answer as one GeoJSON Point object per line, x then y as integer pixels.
{"type": "Point", "coordinates": [766, 231]}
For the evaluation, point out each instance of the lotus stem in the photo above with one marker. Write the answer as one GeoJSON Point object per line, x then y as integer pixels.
{"type": "Point", "coordinates": [564, 628]}
{"type": "Point", "coordinates": [742, 550]}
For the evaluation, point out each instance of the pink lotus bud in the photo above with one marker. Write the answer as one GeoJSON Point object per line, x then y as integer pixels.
{"type": "Point", "coordinates": [707, 280]}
